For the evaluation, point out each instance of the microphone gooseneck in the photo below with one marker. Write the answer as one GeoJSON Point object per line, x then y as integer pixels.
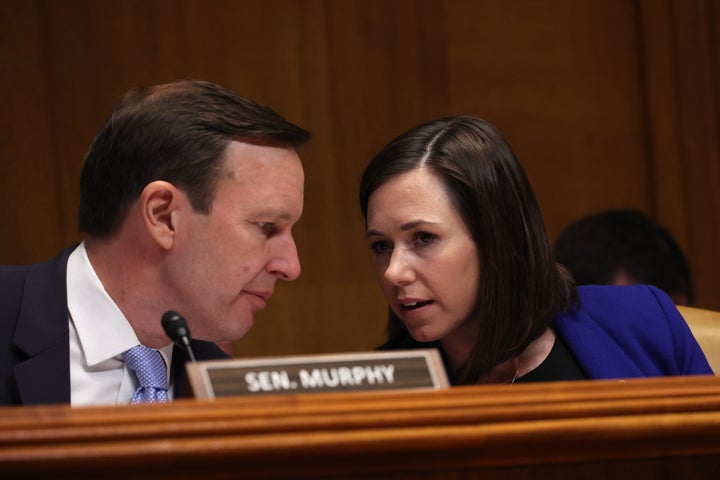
{"type": "Point", "coordinates": [176, 328]}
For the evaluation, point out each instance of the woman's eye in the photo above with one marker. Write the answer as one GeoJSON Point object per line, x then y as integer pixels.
{"type": "Point", "coordinates": [424, 238]}
{"type": "Point", "coordinates": [380, 247]}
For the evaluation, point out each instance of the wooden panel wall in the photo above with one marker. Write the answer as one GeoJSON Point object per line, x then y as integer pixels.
{"type": "Point", "coordinates": [607, 103]}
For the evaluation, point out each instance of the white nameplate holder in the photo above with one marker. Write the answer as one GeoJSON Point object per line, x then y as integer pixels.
{"type": "Point", "coordinates": [361, 371]}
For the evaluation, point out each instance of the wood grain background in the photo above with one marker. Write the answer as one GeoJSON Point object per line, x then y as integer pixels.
{"type": "Point", "coordinates": [607, 103]}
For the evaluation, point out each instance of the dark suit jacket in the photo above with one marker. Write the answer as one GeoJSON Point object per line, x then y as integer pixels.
{"type": "Point", "coordinates": [34, 336]}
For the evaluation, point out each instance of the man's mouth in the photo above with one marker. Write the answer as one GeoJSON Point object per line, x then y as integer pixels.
{"type": "Point", "coordinates": [265, 295]}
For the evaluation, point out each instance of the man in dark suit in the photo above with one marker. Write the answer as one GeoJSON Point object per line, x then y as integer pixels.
{"type": "Point", "coordinates": [188, 197]}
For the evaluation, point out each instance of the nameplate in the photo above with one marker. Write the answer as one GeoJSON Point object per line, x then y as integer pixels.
{"type": "Point", "coordinates": [388, 370]}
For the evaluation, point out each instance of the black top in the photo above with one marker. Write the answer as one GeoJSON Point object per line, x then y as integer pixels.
{"type": "Point", "coordinates": [559, 365]}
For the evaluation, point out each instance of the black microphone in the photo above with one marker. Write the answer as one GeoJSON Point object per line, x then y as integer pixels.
{"type": "Point", "coordinates": [176, 328]}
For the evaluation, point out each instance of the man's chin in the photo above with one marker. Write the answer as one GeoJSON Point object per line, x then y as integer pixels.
{"type": "Point", "coordinates": [239, 328]}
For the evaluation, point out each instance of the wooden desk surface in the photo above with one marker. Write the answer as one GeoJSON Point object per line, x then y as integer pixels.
{"type": "Point", "coordinates": [648, 428]}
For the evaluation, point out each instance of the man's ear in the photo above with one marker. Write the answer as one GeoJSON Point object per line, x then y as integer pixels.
{"type": "Point", "coordinates": [158, 202]}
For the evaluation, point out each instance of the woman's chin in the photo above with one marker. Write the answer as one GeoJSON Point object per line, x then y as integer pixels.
{"type": "Point", "coordinates": [423, 336]}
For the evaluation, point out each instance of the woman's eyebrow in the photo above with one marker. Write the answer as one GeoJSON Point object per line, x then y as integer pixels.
{"type": "Point", "coordinates": [404, 227]}
{"type": "Point", "coordinates": [414, 224]}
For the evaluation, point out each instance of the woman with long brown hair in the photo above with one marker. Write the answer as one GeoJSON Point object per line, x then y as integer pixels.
{"type": "Point", "coordinates": [462, 257]}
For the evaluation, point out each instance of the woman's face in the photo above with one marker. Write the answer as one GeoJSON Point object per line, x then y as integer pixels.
{"type": "Point", "coordinates": [426, 261]}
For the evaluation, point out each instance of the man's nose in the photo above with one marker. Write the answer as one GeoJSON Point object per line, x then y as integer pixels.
{"type": "Point", "coordinates": [285, 263]}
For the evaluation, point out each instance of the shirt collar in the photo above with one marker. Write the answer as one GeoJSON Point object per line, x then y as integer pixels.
{"type": "Point", "coordinates": [102, 329]}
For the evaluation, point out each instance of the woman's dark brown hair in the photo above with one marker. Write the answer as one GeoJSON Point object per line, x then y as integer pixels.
{"type": "Point", "coordinates": [521, 287]}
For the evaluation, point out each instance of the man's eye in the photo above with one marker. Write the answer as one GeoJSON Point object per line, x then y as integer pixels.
{"type": "Point", "coordinates": [380, 247]}
{"type": "Point", "coordinates": [268, 228]}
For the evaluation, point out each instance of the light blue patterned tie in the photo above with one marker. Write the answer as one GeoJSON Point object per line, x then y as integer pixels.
{"type": "Point", "coordinates": [149, 368]}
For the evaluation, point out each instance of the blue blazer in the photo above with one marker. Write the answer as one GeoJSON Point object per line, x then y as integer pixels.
{"type": "Point", "coordinates": [34, 336]}
{"type": "Point", "coordinates": [626, 332]}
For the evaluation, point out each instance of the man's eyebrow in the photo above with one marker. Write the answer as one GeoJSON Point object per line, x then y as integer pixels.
{"type": "Point", "coordinates": [274, 214]}
{"type": "Point", "coordinates": [404, 227]}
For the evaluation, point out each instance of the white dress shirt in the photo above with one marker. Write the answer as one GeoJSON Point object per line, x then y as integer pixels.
{"type": "Point", "coordinates": [99, 334]}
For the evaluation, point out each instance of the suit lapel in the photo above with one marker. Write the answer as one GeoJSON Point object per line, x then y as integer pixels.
{"type": "Point", "coordinates": [181, 385]}
{"type": "Point", "coordinates": [42, 334]}
{"type": "Point", "coordinates": [44, 378]}
{"type": "Point", "coordinates": [203, 351]}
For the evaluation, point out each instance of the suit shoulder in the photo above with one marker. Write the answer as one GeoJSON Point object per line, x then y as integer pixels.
{"type": "Point", "coordinates": [630, 297]}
